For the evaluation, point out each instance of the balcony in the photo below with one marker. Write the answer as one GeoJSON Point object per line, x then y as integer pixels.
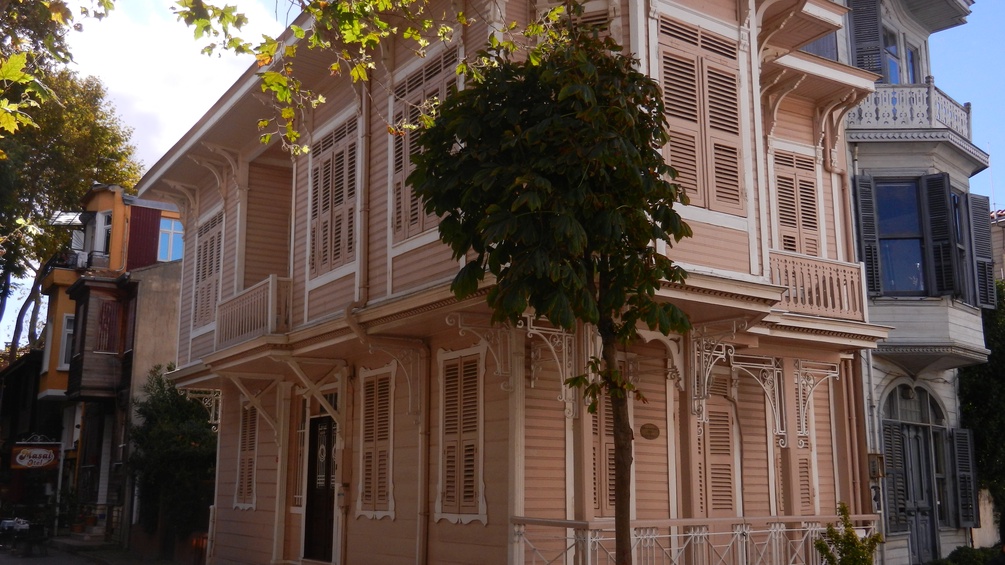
{"type": "Point", "coordinates": [819, 287]}
{"type": "Point", "coordinates": [726, 541]}
{"type": "Point", "coordinates": [914, 113]}
{"type": "Point", "coordinates": [262, 309]}
{"type": "Point", "coordinates": [94, 375]}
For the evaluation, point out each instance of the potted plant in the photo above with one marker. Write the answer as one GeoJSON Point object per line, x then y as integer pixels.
{"type": "Point", "coordinates": [846, 546]}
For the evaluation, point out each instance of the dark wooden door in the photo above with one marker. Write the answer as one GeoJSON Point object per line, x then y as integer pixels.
{"type": "Point", "coordinates": [322, 467]}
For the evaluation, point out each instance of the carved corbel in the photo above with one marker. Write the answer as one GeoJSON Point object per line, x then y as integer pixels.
{"type": "Point", "coordinates": [231, 158]}
{"type": "Point", "coordinates": [183, 195]}
{"type": "Point", "coordinates": [773, 91]}
{"type": "Point", "coordinates": [499, 340]}
{"type": "Point", "coordinates": [809, 375]}
{"type": "Point", "coordinates": [830, 115]}
{"type": "Point", "coordinates": [217, 168]}
{"type": "Point", "coordinates": [776, 26]}
{"type": "Point", "coordinates": [673, 347]}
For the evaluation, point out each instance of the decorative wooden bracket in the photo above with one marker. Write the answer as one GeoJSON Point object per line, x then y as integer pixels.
{"type": "Point", "coordinates": [671, 344]}
{"type": "Point", "coordinates": [255, 398]}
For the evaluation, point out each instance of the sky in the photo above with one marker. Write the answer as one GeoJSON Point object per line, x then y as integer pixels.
{"type": "Point", "coordinates": [160, 84]}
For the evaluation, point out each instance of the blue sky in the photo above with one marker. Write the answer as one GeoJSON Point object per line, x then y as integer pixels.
{"type": "Point", "coordinates": [968, 63]}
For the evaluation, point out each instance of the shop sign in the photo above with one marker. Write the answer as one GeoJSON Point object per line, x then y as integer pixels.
{"type": "Point", "coordinates": [34, 457]}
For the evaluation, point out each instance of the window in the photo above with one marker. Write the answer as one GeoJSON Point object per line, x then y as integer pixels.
{"type": "Point", "coordinates": [702, 95]}
{"type": "Point", "coordinates": [919, 237]}
{"type": "Point", "coordinates": [432, 80]}
{"type": "Point", "coordinates": [920, 453]}
{"type": "Point", "coordinates": [913, 65]}
{"type": "Point", "coordinates": [603, 458]}
{"type": "Point", "coordinates": [461, 495]}
{"type": "Point", "coordinates": [376, 420]}
{"type": "Point", "coordinates": [244, 496]}
{"type": "Point", "coordinates": [107, 340]}
{"type": "Point", "coordinates": [796, 191]}
{"type": "Point", "coordinates": [209, 250]}
{"type": "Point", "coordinates": [891, 57]}
{"type": "Point", "coordinates": [171, 245]}
{"type": "Point", "coordinates": [333, 199]}
{"type": "Point", "coordinates": [66, 343]}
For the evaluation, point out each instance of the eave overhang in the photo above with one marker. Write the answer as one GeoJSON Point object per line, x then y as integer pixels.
{"type": "Point", "coordinates": [786, 25]}
{"type": "Point", "coordinates": [960, 145]}
{"type": "Point", "coordinates": [917, 359]}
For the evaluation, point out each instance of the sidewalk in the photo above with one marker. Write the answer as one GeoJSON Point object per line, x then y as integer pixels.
{"type": "Point", "coordinates": [102, 553]}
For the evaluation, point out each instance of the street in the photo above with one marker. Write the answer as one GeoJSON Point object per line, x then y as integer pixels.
{"type": "Point", "coordinates": [53, 557]}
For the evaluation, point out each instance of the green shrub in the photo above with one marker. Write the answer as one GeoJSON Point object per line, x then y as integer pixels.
{"type": "Point", "coordinates": [844, 546]}
{"type": "Point", "coordinates": [970, 555]}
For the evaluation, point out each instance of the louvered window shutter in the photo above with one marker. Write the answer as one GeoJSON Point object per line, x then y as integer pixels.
{"type": "Point", "coordinates": [895, 482]}
{"type": "Point", "coordinates": [795, 179]}
{"type": "Point", "coordinates": [680, 92]}
{"type": "Point", "coordinates": [720, 460]}
{"type": "Point", "coordinates": [980, 229]}
{"type": "Point", "coordinates": [209, 250]}
{"type": "Point", "coordinates": [867, 33]}
{"type": "Point", "coordinates": [941, 244]}
{"type": "Point", "coordinates": [333, 200]}
{"type": "Point", "coordinates": [376, 448]}
{"type": "Point", "coordinates": [868, 233]}
{"type": "Point", "coordinates": [966, 478]}
{"type": "Point", "coordinates": [247, 445]}
{"type": "Point", "coordinates": [603, 457]}
{"type": "Point", "coordinates": [461, 430]}
{"type": "Point", "coordinates": [725, 170]}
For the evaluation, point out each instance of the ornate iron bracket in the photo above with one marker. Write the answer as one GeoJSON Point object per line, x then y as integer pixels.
{"type": "Point", "coordinates": [708, 349]}
{"type": "Point", "coordinates": [499, 340]}
{"type": "Point", "coordinates": [562, 347]}
{"type": "Point", "coordinates": [809, 375]}
{"type": "Point", "coordinates": [210, 400]}
{"type": "Point", "coordinates": [767, 372]}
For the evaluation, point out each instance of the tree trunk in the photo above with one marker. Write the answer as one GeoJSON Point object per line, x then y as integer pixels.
{"type": "Point", "coordinates": [33, 297]}
{"type": "Point", "coordinates": [623, 438]}
{"type": "Point", "coordinates": [4, 291]}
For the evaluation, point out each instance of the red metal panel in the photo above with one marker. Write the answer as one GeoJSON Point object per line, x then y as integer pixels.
{"type": "Point", "coordinates": [144, 232]}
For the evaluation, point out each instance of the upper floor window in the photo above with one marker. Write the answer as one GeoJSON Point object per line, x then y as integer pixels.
{"type": "Point", "coordinates": [920, 237]}
{"type": "Point", "coordinates": [333, 199]}
{"type": "Point", "coordinates": [208, 255]}
{"type": "Point", "coordinates": [881, 48]}
{"type": "Point", "coordinates": [66, 343]}
{"type": "Point", "coordinates": [891, 57]}
{"type": "Point", "coordinates": [171, 246]}
{"type": "Point", "coordinates": [434, 80]}
{"type": "Point", "coordinates": [700, 74]}
{"type": "Point", "coordinates": [796, 192]}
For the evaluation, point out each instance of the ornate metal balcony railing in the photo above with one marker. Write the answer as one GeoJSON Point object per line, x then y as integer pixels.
{"type": "Point", "coordinates": [911, 106]}
{"type": "Point", "coordinates": [262, 309]}
{"type": "Point", "coordinates": [730, 541]}
{"type": "Point", "coordinates": [819, 287]}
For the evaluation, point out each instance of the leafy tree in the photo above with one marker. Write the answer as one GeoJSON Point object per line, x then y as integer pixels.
{"type": "Point", "coordinates": [32, 40]}
{"type": "Point", "coordinates": [547, 174]}
{"type": "Point", "coordinates": [78, 140]}
{"type": "Point", "coordinates": [982, 394]}
{"type": "Point", "coordinates": [173, 457]}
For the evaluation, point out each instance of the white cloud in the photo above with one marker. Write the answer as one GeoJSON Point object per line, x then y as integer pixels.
{"type": "Point", "coordinates": [157, 79]}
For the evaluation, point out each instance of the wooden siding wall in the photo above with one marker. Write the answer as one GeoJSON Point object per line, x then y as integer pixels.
{"type": "Point", "coordinates": [244, 536]}
{"type": "Point", "coordinates": [545, 468]}
{"type": "Point", "coordinates": [714, 246]}
{"type": "Point", "coordinates": [268, 223]}
{"type": "Point", "coordinates": [724, 10]}
{"type": "Point", "coordinates": [652, 464]}
{"type": "Point", "coordinates": [824, 446]}
{"type": "Point", "coordinates": [754, 421]}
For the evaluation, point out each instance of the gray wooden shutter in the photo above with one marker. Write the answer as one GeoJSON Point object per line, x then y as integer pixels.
{"type": "Point", "coordinates": [867, 33]}
{"type": "Point", "coordinates": [966, 478]}
{"type": "Point", "coordinates": [980, 230]}
{"type": "Point", "coordinates": [868, 233]}
{"type": "Point", "coordinates": [895, 482]}
{"type": "Point", "coordinates": [940, 235]}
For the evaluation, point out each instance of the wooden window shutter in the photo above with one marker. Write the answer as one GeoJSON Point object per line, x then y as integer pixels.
{"type": "Point", "coordinates": [895, 482]}
{"type": "Point", "coordinates": [603, 457]}
{"type": "Point", "coordinates": [795, 179]}
{"type": "Point", "coordinates": [980, 230]}
{"type": "Point", "coordinates": [680, 95]}
{"type": "Point", "coordinates": [108, 327]}
{"type": "Point", "coordinates": [867, 33]}
{"type": "Point", "coordinates": [247, 446]}
{"type": "Point", "coordinates": [940, 235]}
{"type": "Point", "coordinates": [966, 478]}
{"type": "Point", "coordinates": [722, 100]}
{"type": "Point", "coordinates": [868, 233]}
{"type": "Point", "coordinates": [720, 459]}
{"type": "Point", "coordinates": [376, 448]}
{"type": "Point", "coordinates": [805, 484]}
{"type": "Point", "coordinates": [333, 200]}
{"type": "Point", "coordinates": [209, 251]}
{"type": "Point", "coordinates": [461, 436]}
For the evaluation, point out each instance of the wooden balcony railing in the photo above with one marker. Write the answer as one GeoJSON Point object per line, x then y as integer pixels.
{"type": "Point", "coordinates": [728, 541]}
{"type": "Point", "coordinates": [819, 287]}
{"type": "Point", "coordinates": [911, 106]}
{"type": "Point", "coordinates": [260, 310]}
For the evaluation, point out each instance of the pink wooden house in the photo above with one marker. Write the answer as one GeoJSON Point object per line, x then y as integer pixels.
{"type": "Point", "coordinates": [369, 417]}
